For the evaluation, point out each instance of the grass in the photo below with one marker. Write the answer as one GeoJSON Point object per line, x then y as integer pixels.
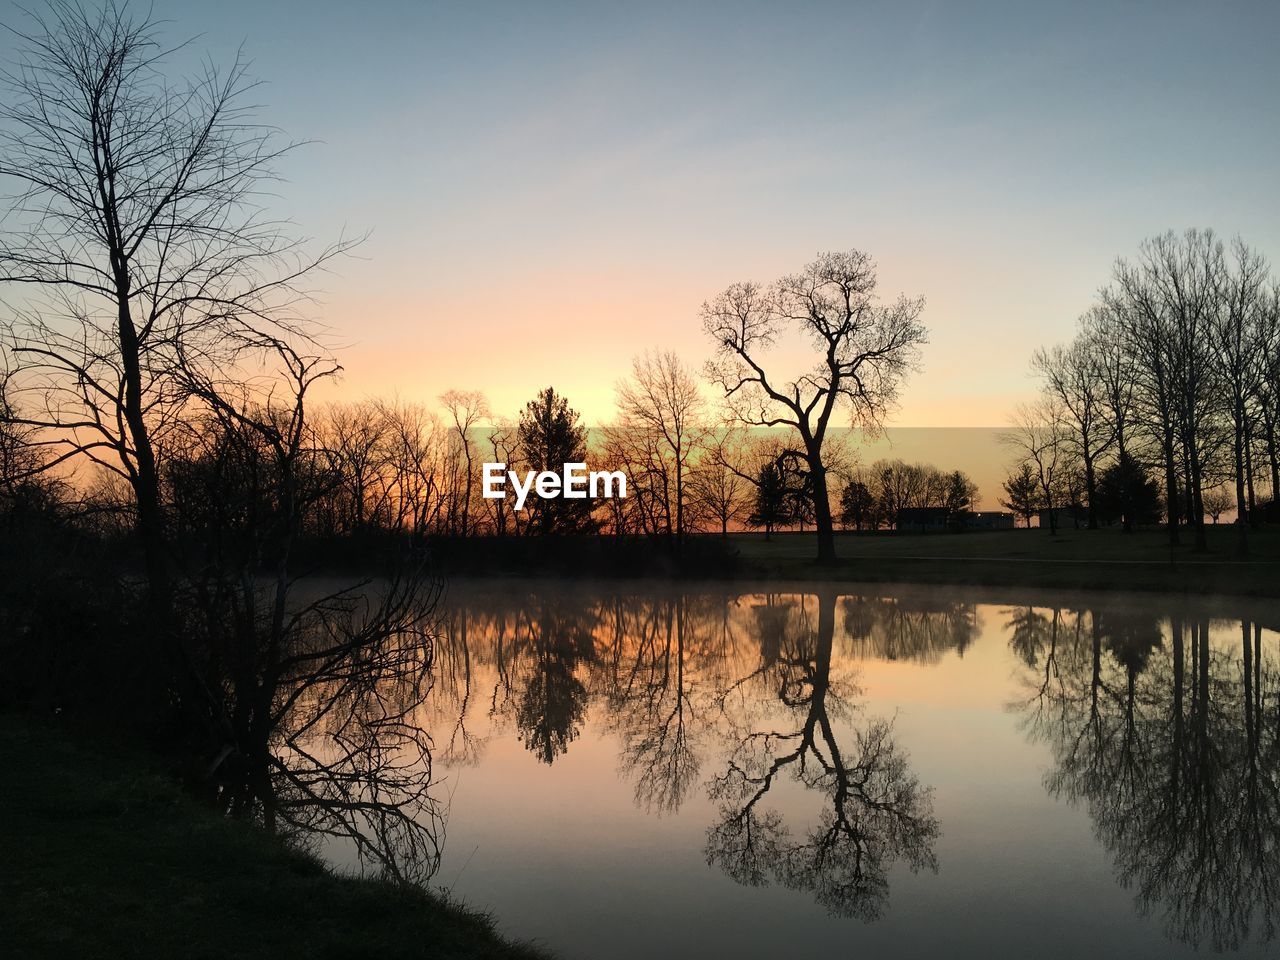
{"type": "Point", "coordinates": [1078, 559]}
{"type": "Point", "coordinates": [105, 857]}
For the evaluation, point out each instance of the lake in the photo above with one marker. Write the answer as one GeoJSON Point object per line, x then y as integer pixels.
{"type": "Point", "coordinates": [640, 770]}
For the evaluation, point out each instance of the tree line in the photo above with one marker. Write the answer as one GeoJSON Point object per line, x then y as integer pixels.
{"type": "Point", "coordinates": [1165, 403]}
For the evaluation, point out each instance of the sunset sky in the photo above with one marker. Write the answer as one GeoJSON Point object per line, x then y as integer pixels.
{"type": "Point", "coordinates": [553, 188]}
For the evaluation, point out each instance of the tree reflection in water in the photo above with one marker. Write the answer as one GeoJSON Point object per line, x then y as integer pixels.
{"type": "Point", "coordinates": [682, 679]}
{"type": "Point", "coordinates": [874, 810]}
{"type": "Point", "coordinates": [333, 747]}
{"type": "Point", "coordinates": [1172, 741]}
{"type": "Point", "coordinates": [553, 702]}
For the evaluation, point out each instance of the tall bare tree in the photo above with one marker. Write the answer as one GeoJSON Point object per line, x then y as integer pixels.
{"type": "Point", "coordinates": [1269, 391]}
{"type": "Point", "coordinates": [1040, 436]}
{"type": "Point", "coordinates": [465, 408]}
{"type": "Point", "coordinates": [1074, 377]}
{"type": "Point", "coordinates": [864, 351]}
{"type": "Point", "coordinates": [134, 227]}
{"type": "Point", "coordinates": [660, 408]}
{"type": "Point", "coordinates": [1167, 297]}
{"type": "Point", "coordinates": [720, 483]}
{"type": "Point", "coordinates": [1235, 331]}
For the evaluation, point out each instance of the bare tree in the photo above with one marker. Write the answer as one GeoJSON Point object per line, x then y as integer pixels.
{"type": "Point", "coordinates": [660, 408]}
{"type": "Point", "coordinates": [1149, 337]}
{"type": "Point", "coordinates": [466, 408]}
{"type": "Point", "coordinates": [134, 229]}
{"type": "Point", "coordinates": [22, 454]}
{"type": "Point", "coordinates": [1169, 299]}
{"type": "Point", "coordinates": [1103, 329]}
{"type": "Point", "coordinates": [504, 445]}
{"type": "Point", "coordinates": [1074, 377]}
{"type": "Point", "coordinates": [1040, 436]}
{"type": "Point", "coordinates": [720, 484]}
{"type": "Point", "coordinates": [356, 436]}
{"type": "Point", "coordinates": [1217, 501]}
{"type": "Point", "coordinates": [864, 350]}
{"type": "Point", "coordinates": [1239, 356]}
{"type": "Point", "coordinates": [1269, 390]}
{"type": "Point", "coordinates": [313, 697]}
{"type": "Point", "coordinates": [411, 438]}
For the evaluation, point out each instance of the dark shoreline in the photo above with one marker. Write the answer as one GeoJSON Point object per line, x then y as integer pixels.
{"type": "Point", "coordinates": [107, 856]}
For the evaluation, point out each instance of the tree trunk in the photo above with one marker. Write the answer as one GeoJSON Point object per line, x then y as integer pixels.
{"type": "Point", "coordinates": [822, 521]}
{"type": "Point", "coordinates": [1091, 491]}
{"type": "Point", "coordinates": [1188, 487]}
{"type": "Point", "coordinates": [1248, 471]}
{"type": "Point", "coordinates": [1273, 455]}
{"type": "Point", "coordinates": [679, 500]}
{"type": "Point", "coordinates": [1048, 506]}
{"type": "Point", "coordinates": [1242, 506]}
{"type": "Point", "coordinates": [1170, 482]}
{"type": "Point", "coordinates": [146, 480]}
{"type": "Point", "coordinates": [1197, 498]}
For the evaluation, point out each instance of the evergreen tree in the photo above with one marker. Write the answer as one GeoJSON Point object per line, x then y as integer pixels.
{"type": "Point", "coordinates": [1022, 492]}
{"type": "Point", "coordinates": [1128, 493]}
{"type": "Point", "coordinates": [550, 436]}
{"type": "Point", "coordinates": [856, 504]}
{"type": "Point", "coordinates": [959, 496]}
{"type": "Point", "coordinates": [773, 502]}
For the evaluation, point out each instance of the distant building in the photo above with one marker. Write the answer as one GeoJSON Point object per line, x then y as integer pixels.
{"type": "Point", "coordinates": [923, 519]}
{"type": "Point", "coordinates": [990, 520]}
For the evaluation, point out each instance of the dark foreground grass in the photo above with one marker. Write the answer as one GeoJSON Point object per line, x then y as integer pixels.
{"type": "Point", "coordinates": [101, 855]}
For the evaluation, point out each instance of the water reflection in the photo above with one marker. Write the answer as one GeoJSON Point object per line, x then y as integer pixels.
{"type": "Point", "coordinates": [750, 704]}
{"type": "Point", "coordinates": [334, 747]}
{"type": "Point", "coordinates": [1170, 740]}
{"type": "Point", "coordinates": [874, 811]}
{"type": "Point", "coordinates": [696, 687]}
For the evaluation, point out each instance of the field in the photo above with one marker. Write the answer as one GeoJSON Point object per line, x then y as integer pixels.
{"type": "Point", "coordinates": [1087, 559]}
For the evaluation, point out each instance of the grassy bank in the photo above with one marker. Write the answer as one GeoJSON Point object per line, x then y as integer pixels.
{"type": "Point", "coordinates": [1073, 559]}
{"type": "Point", "coordinates": [104, 856]}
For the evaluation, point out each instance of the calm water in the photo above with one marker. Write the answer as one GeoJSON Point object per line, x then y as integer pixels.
{"type": "Point", "coordinates": [640, 770]}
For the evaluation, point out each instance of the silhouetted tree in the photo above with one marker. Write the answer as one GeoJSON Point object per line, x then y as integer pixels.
{"type": "Point", "coordinates": [661, 412]}
{"type": "Point", "coordinates": [856, 504]}
{"type": "Point", "coordinates": [1022, 492]}
{"type": "Point", "coordinates": [864, 349]}
{"type": "Point", "coordinates": [1126, 492]}
{"type": "Point", "coordinates": [773, 507]}
{"type": "Point", "coordinates": [27, 480]}
{"type": "Point", "coordinates": [1040, 437]}
{"type": "Point", "coordinates": [1169, 298]}
{"type": "Point", "coordinates": [1072, 376]}
{"type": "Point", "coordinates": [719, 485]}
{"type": "Point", "coordinates": [551, 436]}
{"type": "Point", "coordinates": [137, 228]}
{"type": "Point", "coordinates": [961, 492]}
{"type": "Point", "coordinates": [1217, 501]}
{"type": "Point", "coordinates": [1236, 334]}
{"type": "Point", "coordinates": [465, 409]}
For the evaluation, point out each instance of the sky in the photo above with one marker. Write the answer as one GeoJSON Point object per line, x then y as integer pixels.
{"type": "Point", "coordinates": [552, 188]}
